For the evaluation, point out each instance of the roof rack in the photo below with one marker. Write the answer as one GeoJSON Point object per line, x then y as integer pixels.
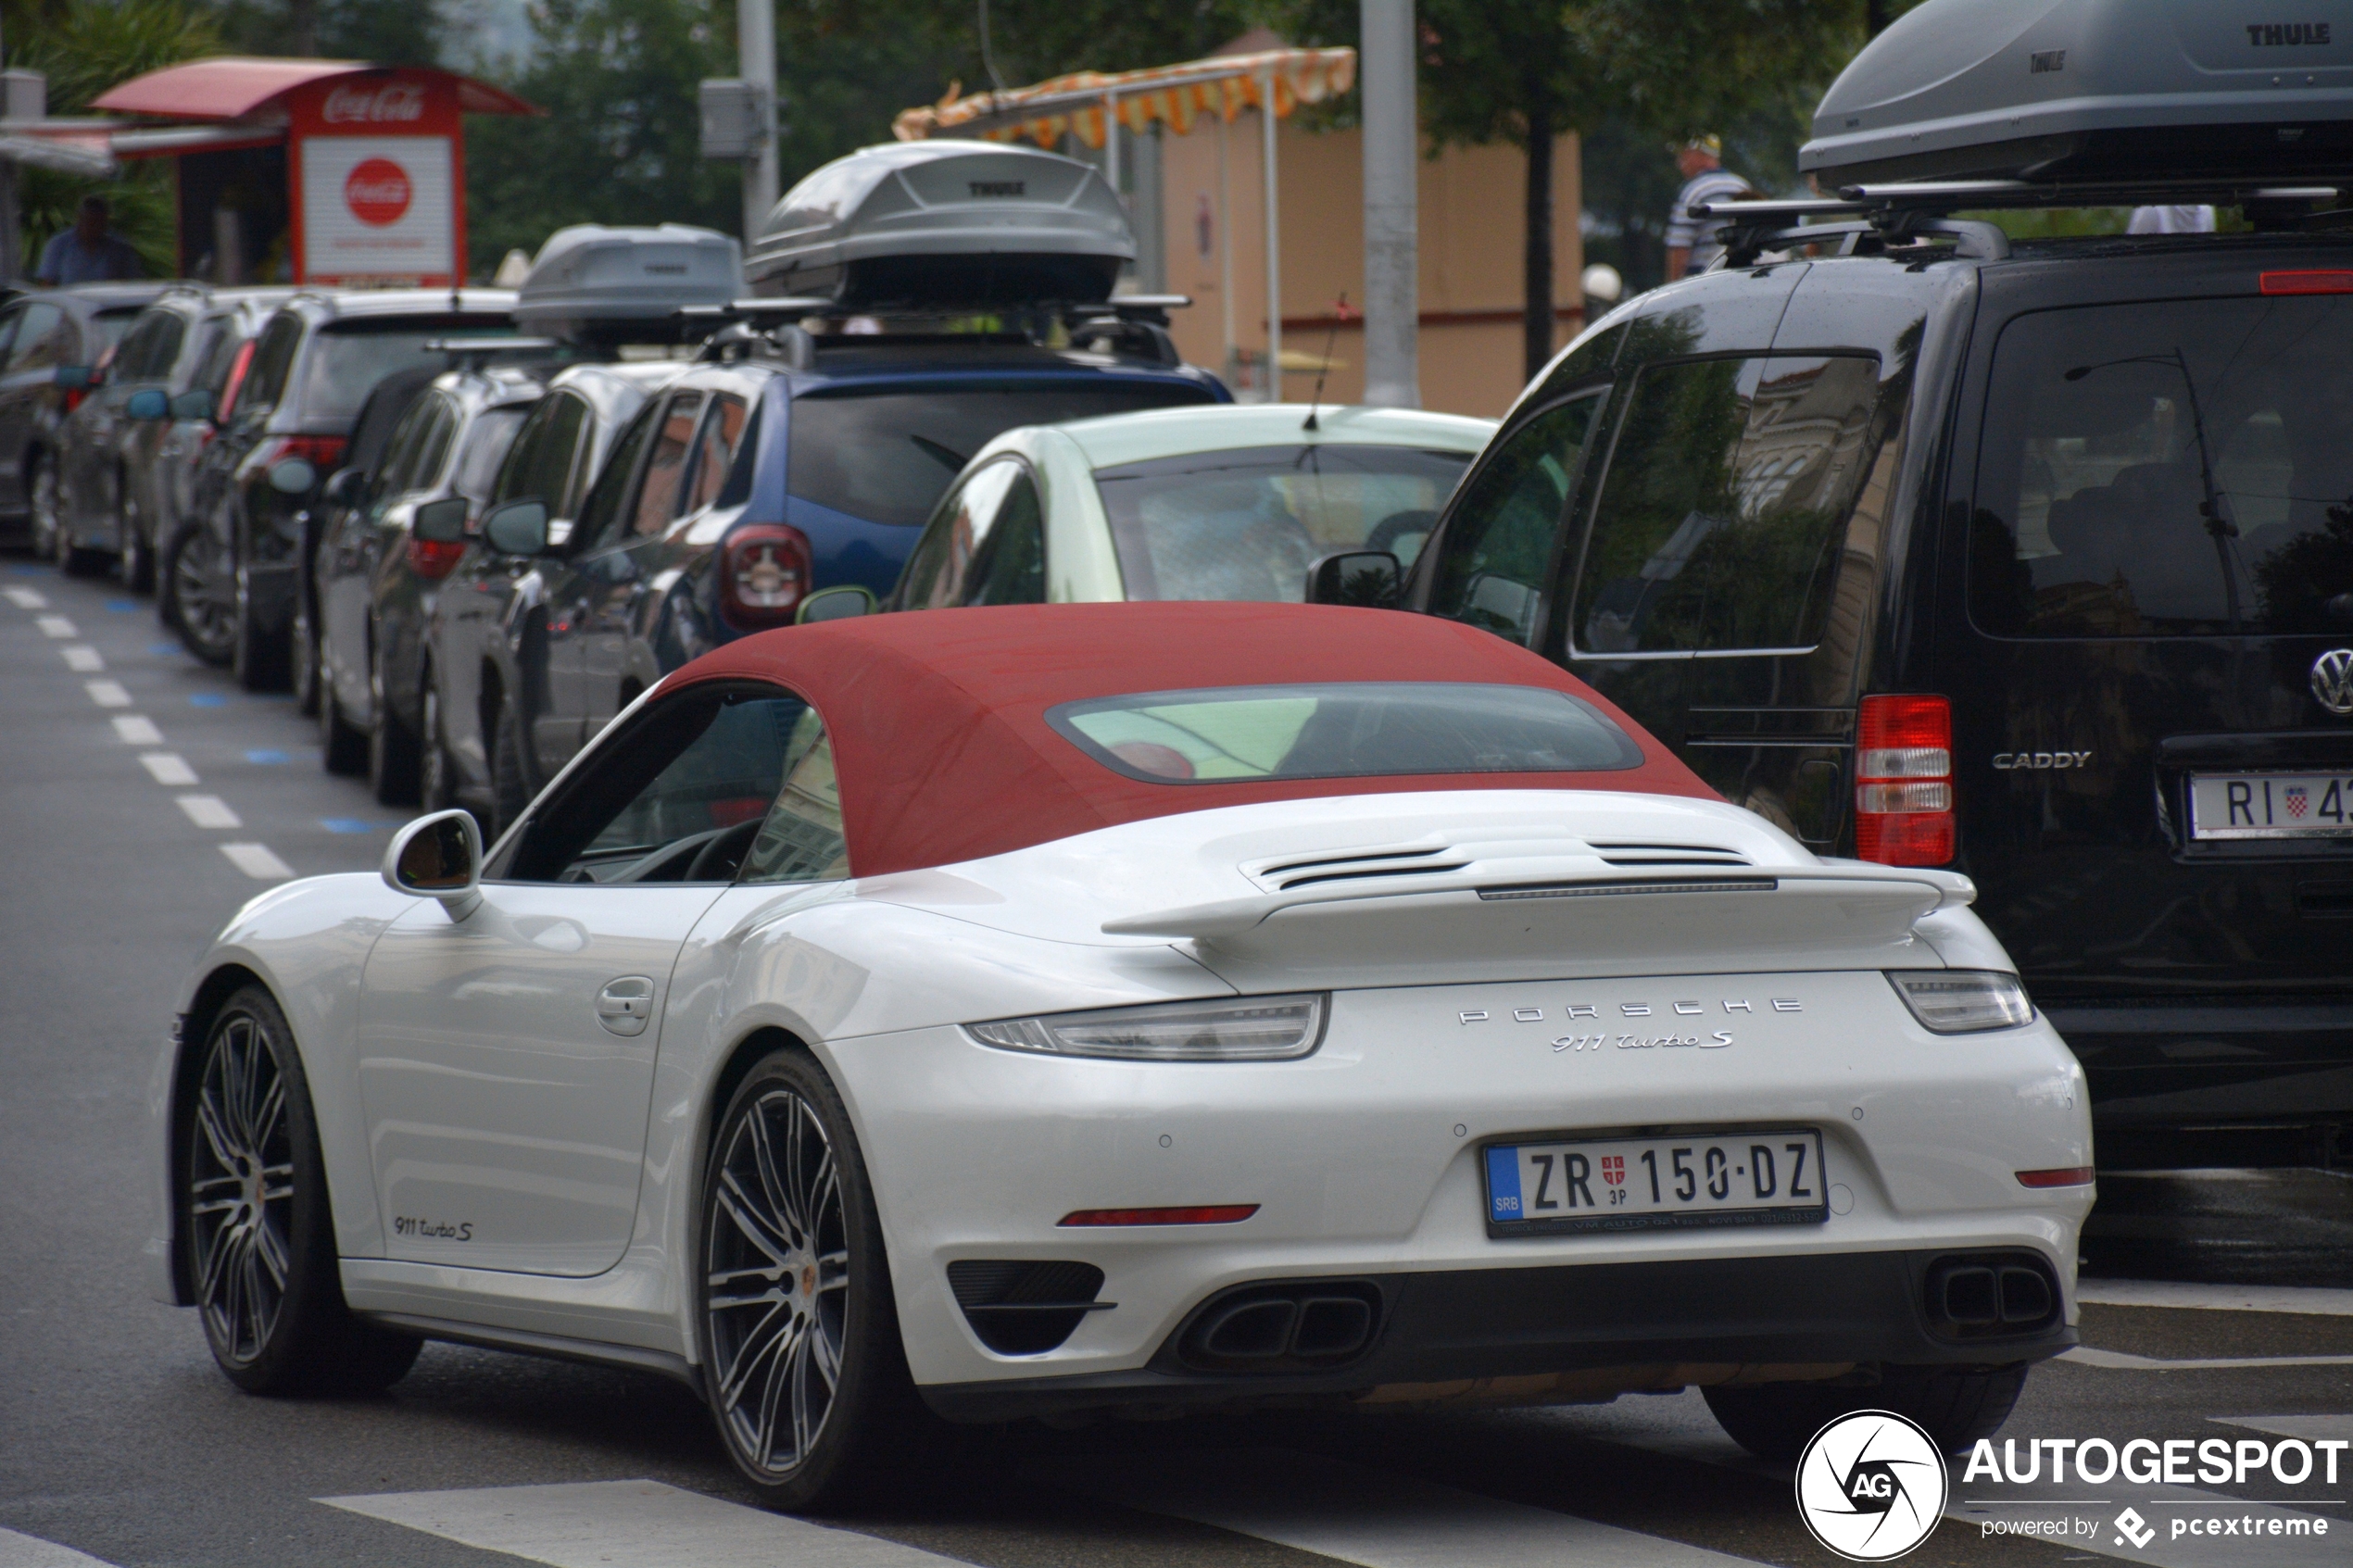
{"type": "Point", "coordinates": [796, 327]}
{"type": "Point", "coordinates": [1916, 213]}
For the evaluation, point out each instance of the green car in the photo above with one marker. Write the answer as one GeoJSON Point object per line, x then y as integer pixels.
{"type": "Point", "coordinates": [1218, 502]}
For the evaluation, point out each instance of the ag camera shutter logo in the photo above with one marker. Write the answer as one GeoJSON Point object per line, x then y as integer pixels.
{"type": "Point", "coordinates": [1871, 1486]}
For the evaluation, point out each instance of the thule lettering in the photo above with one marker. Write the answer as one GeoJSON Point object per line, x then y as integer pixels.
{"type": "Point", "coordinates": [2275, 36]}
{"type": "Point", "coordinates": [997, 187]}
{"type": "Point", "coordinates": [2042, 61]}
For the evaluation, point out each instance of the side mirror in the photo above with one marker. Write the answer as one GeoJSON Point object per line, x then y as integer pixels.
{"type": "Point", "coordinates": [293, 476]}
{"type": "Point", "coordinates": [148, 403]}
{"type": "Point", "coordinates": [193, 404]}
{"type": "Point", "coordinates": [345, 487]}
{"type": "Point", "coordinates": [518, 528]}
{"type": "Point", "coordinates": [1369, 578]}
{"type": "Point", "coordinates": [440, 522]}
{"type": "Point", "coordinates": [843, 603]}
{"type": "Point", "coordinates": [76, 378]}
{"type": "Point", "coordinates": [438, 857]}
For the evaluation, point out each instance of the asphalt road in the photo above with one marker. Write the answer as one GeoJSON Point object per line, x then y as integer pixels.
{"type": "Point", "coordinates": [120, 1443]}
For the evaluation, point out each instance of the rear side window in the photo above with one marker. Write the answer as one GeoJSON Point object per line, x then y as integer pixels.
{"type": "Point", "coordinates": [886, 456]}
{"type": "Point", "coordinates": [601, 513]}
{"type": "Point", "coordinates": [1722, 521]}
{"type": "Point", "coordinates": [485, 448]}
{"type": "Point", "coordinates": [2167, 469]}
{"type": "Point", "coordinates": [272, 357]}
{"type": "Point", "coordinates": [543, 453]}
{"type": "Point", "coordinates": [986, 546]}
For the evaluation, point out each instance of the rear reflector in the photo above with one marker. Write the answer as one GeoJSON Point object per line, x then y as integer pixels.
{"type": "Point", "coordinates": [2334, 281]}
{"type": "Point", "coordinates": [1212, 1214]}
{"type": "Point", "coordinates": [2064, 1177]}
{"type": "Point", "coordinates": [1904, 780]}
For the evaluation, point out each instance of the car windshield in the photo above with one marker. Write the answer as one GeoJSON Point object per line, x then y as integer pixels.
{"type": "Point", "coordinates": [1352, 730]}
{"type": "Point", "coordinates": [886, 456]}
{"type": "Point", "coordinates": [347, 361]}
{"type": "Point", "coordinates": [2174, 468]}
{"type": "Point", "coordinates": [1245, 524]}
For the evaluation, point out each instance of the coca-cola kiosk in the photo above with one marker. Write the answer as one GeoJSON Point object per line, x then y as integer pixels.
{"type": "Point", "coordinates": [312, 172]}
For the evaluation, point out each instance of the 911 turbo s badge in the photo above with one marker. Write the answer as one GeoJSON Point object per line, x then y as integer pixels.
{"type": "Point", "coordinates": [1639, 1039]}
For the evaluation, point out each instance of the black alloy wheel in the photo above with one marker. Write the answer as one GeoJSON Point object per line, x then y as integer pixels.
{"type": "Point", "coordinates": [199, 592]}
{"type": "Point", "coordinates": [392, 746]}
{"type": "Point", "coordinates": [1955, 1406]}
{"type": "Point", "coordinates": [804, 1369]}
{"type": "Point", "coordinates": [303, 657]}
{"type": "Point", "coordinates": [258, 1231]}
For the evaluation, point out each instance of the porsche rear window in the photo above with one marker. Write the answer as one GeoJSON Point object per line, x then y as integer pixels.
{"type": "Point", "coordinates": [1342, 730]}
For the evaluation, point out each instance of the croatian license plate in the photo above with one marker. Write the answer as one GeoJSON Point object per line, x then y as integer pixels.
{"type": "Point", "coordinates": [1769, 1178]}
{"type": "Point", "coordinates": [2272, 806]}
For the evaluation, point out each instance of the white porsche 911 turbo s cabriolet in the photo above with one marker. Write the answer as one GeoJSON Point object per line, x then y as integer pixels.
{"type": "Point", "coordinates": [1054, 1009]}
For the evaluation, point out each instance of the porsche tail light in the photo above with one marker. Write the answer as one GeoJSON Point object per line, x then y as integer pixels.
{"type": "Point", "coordinates": [1963, 1001]}
{"type": "Point", "coordinates": [1229, 1029]}
{"type": "Point", "coordinates": [434, 559]}
{"type": "Point", "coordinates": [1201, 1215]}
{"type": "Point", "coordinates": [1903, 781]}
{"type": "Point", "coordinates": [764, 572]}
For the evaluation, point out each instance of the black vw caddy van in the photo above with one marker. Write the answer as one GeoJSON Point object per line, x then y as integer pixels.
{"type": "Point", "coordinates": [2038, 565]}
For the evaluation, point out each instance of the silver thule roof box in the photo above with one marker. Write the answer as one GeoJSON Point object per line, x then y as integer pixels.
{"type": "Point", "coordinates": [2093, 91]}
{"type": "Point", "coordinates": [943, 225]}
{"type": "Point", "coordinates": [593, 283]}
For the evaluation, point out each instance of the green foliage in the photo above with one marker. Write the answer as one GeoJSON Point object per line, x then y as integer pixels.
{"type": "Point", "coordinates": [392, 32]}
{"type": "Point", "coordinates": [84, 47]}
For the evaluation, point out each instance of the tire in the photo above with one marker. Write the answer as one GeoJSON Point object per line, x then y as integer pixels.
{"type": "Point", "coordinates": [138, 558]}
{"type": "Point", "coordinates": [392, 747]}
{"type": "Point", "coordinates": [197, 596]}
{"type": "Point", "coordinates": [342, 749]}
{"type": "Point", "coordinates": [253, 1206]}
{"type": "Point", "coordinates": [258, 659]}
{"type": "Point", "coordinates": [1775, 1421]}
{"type": "Point", "coordinates": [436, 782]}
{"type": "Point", "coordinates": [793, 1280]}
{"type": "Point", "coordinates": [302, 653]}
{"type": "Point", "coordinates": [511, 790]}
{"type": "Point", "coordinates": [46, 520]}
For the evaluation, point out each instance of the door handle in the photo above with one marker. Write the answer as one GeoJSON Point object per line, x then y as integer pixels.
{"type": "Point", "coordinates": [625, 1006]}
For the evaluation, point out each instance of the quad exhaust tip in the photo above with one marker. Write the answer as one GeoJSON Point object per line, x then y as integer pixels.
{"type": "Point", "coordinates": [1976, 1297]}
{"type": "Point", "coordinates": [1270, 1328]}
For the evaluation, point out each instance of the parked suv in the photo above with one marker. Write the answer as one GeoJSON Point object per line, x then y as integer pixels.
{"type": "Point", "coordinates": [2033, 561]}
{"type": "Point", "coordinates": [230, 567]}
{"type": "Point", "coordinates": [51, 344]}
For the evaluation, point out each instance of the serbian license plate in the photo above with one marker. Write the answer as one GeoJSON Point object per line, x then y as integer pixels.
{"type": "Point", "coordinates": [1769, 1178]}
{"type": "Point", "coordinates": [2272, 806]}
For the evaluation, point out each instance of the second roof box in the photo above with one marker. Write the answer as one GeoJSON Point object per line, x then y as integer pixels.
{"type": "Point", "coordinates": [591, 282]}
{"type": "Point", "coordinates": [944, 224]}
{"type": "Point", "coordinates": [2097, 90]}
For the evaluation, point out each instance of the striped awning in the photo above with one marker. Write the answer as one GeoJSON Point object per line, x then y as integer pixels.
{"type": "Point", "coordinates": [1177, 96]}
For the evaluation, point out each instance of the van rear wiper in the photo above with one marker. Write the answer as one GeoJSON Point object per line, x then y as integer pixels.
{"type": "Point", "coordinates": [948, 456]}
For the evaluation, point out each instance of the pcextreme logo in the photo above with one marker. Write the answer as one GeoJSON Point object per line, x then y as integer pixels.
{"type": "Point", "coordinates": [1871, 1486]}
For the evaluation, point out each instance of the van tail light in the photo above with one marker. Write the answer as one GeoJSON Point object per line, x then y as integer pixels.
{"type": "Point", "coordinates": [321, 452]}
{"type": "Point", "coordinates": [434, 560]}
{"type": "Point", "coordinates": [1903, 781]}
{"type": "Point", "coordinates": [764, 570]}
{"type": "Point", "coordinates": [2328, 281]}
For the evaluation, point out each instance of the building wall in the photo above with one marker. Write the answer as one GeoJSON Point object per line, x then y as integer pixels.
{"type": "Point", "coordinates": [1471, 238]}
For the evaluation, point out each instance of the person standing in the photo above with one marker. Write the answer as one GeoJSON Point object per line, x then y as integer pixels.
{"type": "Point", "coordinates": [1691, 244]}
{"type": "Point", "coordinates": [90, 252]}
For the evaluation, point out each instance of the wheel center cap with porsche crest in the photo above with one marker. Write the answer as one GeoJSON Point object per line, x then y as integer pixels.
{"type": "Point", "coordinates": [2333, 681]}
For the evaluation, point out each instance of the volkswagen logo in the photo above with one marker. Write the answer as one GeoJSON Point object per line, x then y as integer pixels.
{"type": "Point", "coordinates": [1871, 1486]}
{"type": "Point", "coordinates": [2333, 681]}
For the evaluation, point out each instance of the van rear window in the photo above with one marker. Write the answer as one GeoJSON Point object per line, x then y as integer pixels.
{"type": "Point", "coordinates": [2167, 469]}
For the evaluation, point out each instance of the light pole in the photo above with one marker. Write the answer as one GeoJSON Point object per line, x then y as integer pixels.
{"type": "Point", "coordinates": [1393, 313]}
{"type": "Point", "coordinates": [756, 48]}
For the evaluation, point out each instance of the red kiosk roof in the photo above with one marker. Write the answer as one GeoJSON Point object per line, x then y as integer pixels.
{"type": "Point", "coordinates": [232, 87]}
{"type": "Point", "coordinates": [942, 752]}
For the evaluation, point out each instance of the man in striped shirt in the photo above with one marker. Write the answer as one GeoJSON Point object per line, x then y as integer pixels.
{"type": "Point", "coordinates": [1691, 246]}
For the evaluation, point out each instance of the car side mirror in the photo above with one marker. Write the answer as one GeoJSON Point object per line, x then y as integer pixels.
{"type": "Point", "coordinates": [193, 404]}
{"type": "Point", "coordinates": [438, 857]}
{"type": "Point", "coordinates": [293, 476]}
{"type": "Point", "coordinates": [843, 603]}
{"type": "Point", "coordinates": [76, 378]}
{"type": "Point", "coordinates": [440, 522]}
{"type": "Point", "coordinates": [148, 403]}
{"type": "Point", "coordinates": [1366, 578]}
{"type": "Point", "coordinates": [518, 528]}
{"type": "Point", "coordinates": [345, 487]}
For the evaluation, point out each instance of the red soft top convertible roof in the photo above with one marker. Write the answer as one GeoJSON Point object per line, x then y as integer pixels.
{"type": "Point", "coordinates": [943, 754]}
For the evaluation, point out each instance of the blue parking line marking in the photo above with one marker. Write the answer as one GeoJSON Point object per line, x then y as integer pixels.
{"type": "Point", "coordinates": [267, 756]}
{"type": "Point", "coordinates": [206, 699]}
{"type": "Point", "coordinates": [29, 570]}
{"type": "Point", "coordinates": [122, 607]}
{"type": "Point", "coordinates": [347, 824]}
{"type": "Point", "coordinates": [167, 649]}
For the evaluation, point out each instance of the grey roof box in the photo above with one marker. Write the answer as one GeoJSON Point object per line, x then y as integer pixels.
{"type": "Point", "coordinates": [942, 224]}
{"type": "Point", "coordinates": [2093, 89]}
{"type": "Point", "coordinates": [591, 282]}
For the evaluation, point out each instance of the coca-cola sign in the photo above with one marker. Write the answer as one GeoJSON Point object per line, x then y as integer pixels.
{"type": "Point", "coordinates": [378, 191]}
{"type": "Point", "coordinates": [394, 102]}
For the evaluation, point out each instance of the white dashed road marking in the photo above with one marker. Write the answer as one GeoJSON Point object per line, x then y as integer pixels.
{"type": "Point", "coordinates": [25, 598]}
{"type": "Point", "coordinates": [134, 729]}
{"type": "Point", "coordinates": [167, 768]}
{"type": "Point", "coordinates": [631, 1525]}
{"type": "Point", "coordinates": [56, 627]}
{"type": "Point", "coordinates": [31, 1552]}
{"type": "Point", "coordinates": [209, 812]}
{"type": "Point", "coordinates": [2311, 1428]}
{"type": "Point", "coordinates": [107, 694]}
{"type": "Point", "coordinates": [84, 660]}
{"type": "Point", "coordinates": [2216, 1297]}
{"type": "Point", "coordinates": [256, 862]}
{"type": "Point", "coordinates": [2085, 1355]}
